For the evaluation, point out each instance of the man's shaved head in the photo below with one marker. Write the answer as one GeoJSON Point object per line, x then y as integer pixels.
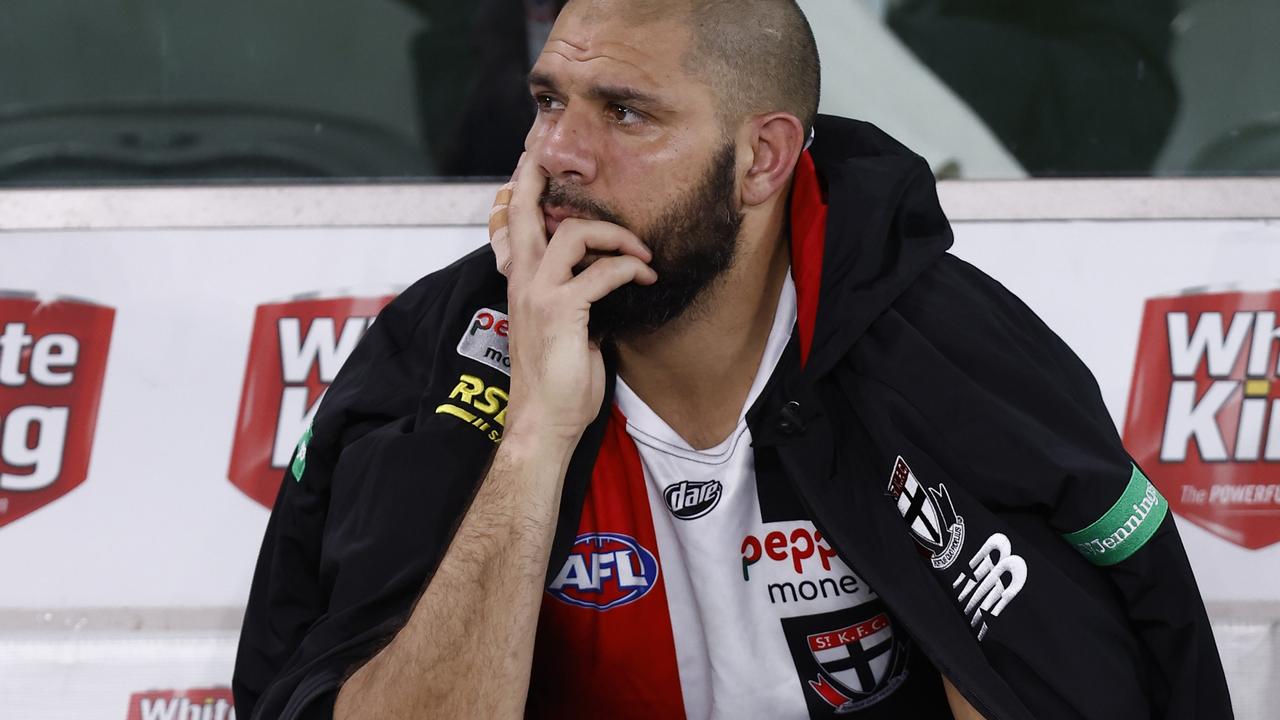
{"type": "Point", "coordinates": [758, 55]}
{"type": "Point", "coordinates": [681, 121]}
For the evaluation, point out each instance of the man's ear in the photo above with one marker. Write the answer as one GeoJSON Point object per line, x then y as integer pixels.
{"type": "Point", "coordinates": [776, 140]}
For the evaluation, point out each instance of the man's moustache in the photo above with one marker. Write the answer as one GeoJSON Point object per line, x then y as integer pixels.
{"type": "Point", "coordinates": [586, 209]}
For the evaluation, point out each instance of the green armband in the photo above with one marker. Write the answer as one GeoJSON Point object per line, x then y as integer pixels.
{"type": "Point", "coordinates": [300, 455]}
{"type": "Point", "coordinates": [1126, 527]}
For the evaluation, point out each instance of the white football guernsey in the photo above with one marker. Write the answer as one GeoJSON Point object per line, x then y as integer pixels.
{"type": "Point", "coordinates": [686, 596]}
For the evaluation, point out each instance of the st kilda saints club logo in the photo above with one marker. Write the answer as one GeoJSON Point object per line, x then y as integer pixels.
{"type": "Point", "coordinates": [993, 576]}
{"type": "Point", "coordinates": [929, 514]}
{"type": "Point", "coordinates": [1204, 410]}
{"type": "Point", "coordinates": [848, 659]}
{"type": "Point", "coordinates": [296, 351]}
{"type": "Point", "coordinates": [604, 571]}
{"type": "Point", "coordinates": [53, 358]}
{"type": "Point", "coordinates": [215, 703]}
{"type": "Point", "coordinates": [690, 499]}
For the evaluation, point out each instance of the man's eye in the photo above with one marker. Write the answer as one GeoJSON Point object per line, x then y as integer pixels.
{"type": "Point", "coordinates": [623, 115]}
{"type": "Point", "coordinates": [545, 103]}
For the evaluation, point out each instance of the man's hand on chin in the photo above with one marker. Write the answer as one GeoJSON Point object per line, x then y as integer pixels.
{"type": "Point", "coordinates": [557, 373]}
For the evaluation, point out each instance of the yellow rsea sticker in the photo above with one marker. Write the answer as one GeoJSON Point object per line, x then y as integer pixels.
{"type": "Point", "coordinates": [483, 407]}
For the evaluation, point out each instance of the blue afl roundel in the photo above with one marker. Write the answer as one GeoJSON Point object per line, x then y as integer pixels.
{"type": "Point", "coordinates": [604, 571]}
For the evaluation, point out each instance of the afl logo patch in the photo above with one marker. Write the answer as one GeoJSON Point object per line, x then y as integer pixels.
{"type": "Point", "coordinates": [605, 571]}
{"type": "Point", "coordinates": [690, 499]}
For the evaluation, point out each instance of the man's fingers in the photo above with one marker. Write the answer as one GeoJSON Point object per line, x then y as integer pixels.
{"type": "Point", "coordinates": [528, 232]}
{"type": "Point", "coordinates": [501, 204]}
{"type": "Point", "coordinates": [499, 230]}
{"type": "Point", "coordinates": [575, 237]}
{"type": "Point", "coordinates": [608, 274]}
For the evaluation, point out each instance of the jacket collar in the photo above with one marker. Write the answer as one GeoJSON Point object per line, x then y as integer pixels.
{"type": "Point", "coordinates": [865, 223]}
{"type": "Point", "coordinates": [808, 227]}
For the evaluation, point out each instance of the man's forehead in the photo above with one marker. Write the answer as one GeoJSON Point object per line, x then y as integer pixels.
{"type": "Point", "coordinates": [644, 47]}
{"type": "Point", "coordinates": [628, 11]}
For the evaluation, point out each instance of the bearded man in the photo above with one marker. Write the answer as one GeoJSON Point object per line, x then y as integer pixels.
{"type": "Point", "coordinates": [716, 429]}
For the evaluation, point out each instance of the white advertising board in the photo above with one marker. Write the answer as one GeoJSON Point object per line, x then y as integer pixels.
{"type": "Point", "coordinates": [157, 379]}
{"type": "Point", "coordinates": [1198, 408]}
{"type": "Point", "coordinates": [156, 522]}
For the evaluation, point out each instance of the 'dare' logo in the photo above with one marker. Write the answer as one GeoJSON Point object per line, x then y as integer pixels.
{"type": "Point", "coordinates": [296, 351]}
{"type": "Point", "coordinates": [196, 704]}
{"type": "Point", "coordinates": [53, 356]}
{"type": "Point", "coordinates": [1204, 410]}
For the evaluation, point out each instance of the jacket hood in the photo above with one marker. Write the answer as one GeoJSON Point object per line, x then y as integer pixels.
{"type": "Point", "coordinates": [865, 223]}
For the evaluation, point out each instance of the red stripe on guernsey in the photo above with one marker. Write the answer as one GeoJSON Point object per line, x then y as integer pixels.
{"type": "Point", "coordinates": [605, 646]}
{"type": "Point", "coordinates": [808, 240]}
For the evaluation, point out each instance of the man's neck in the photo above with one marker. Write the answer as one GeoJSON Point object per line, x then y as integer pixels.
{"type": "Point", "coordinates": [696, 372]}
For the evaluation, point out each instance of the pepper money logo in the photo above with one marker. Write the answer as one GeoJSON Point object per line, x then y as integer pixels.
{"type": "Point", "coordinates": [1204, 411]}
{"type": "Point", "coordinates": [53, 357]}
{"type": "Point", "coordinates": [486, 340]}
{"type": "Point", "coordinates": [296, 350]}
{"type": "Point", "coordinates": [196, 704]}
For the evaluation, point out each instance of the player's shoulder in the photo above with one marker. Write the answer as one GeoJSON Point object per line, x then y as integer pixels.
{"type": "Point", "coordinates": [953, 300]}
{"type": "Point", "coordinates": [426, 305]}
{"type": "Point", "coordinates": [979, 326]}
{"type": "Point", "coordinates": [956, 290]}
{"type": "Point", "coordinates": [420, 326]}
{"type": "Point", "coordinates": [422, 341]}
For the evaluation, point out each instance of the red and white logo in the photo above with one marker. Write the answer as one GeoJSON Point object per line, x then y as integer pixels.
{"type": "Point", "coordinates": [795, 549]}
{"type": "Point", "coordinates": [604, 571]}
{"type": "Point", "coordinates": [848, 659]}
{"type": "Point", "coordinates": [197, 704]}
{"type": "Point", "coordinates": [1204, 411]}
{"type": "Point", "coordinates": [296, 351]}
{"type": "Point", "coordinates": [930, 515]}
{"type": "Point", "coordinates": [487, 340]}
{"type": "Point", "coordinates": [834, 648]}
{"type": "Point", "coordinates": [53, 356]}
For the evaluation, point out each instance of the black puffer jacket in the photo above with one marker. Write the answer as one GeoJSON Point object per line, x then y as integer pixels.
{"type": "Point", "coordinates": [945, 441]}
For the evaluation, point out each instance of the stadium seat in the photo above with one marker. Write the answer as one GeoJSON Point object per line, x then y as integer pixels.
{"type": "Point", "coordinates": [152, 142]}
{"type": "Point", "coordinates": [1225, 57]}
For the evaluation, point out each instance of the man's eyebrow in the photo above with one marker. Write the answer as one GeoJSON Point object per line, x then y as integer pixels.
{"type": "Point", "coordinates": [626, 96]}
{"type": "Point", "coordinates": [541, 79]}
{"type": "Point", "coordinates": [621, 94]}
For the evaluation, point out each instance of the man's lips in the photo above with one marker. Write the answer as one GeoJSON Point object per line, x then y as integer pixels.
{"type": "Point", "coordinates": [554, 215]}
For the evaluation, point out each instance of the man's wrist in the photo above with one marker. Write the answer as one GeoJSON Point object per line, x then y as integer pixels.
{"type": "Point", "coordinates": [533, 465]}
{"type": "Point", "coordinates": [525, 444]}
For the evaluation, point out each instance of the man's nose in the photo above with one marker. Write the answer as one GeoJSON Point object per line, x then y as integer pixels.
{"type": "Point", "coordinates": [568, 150]}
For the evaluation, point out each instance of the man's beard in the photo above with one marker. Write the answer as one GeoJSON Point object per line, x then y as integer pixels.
{"type": "Point", "coordinates": [693, 243]}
